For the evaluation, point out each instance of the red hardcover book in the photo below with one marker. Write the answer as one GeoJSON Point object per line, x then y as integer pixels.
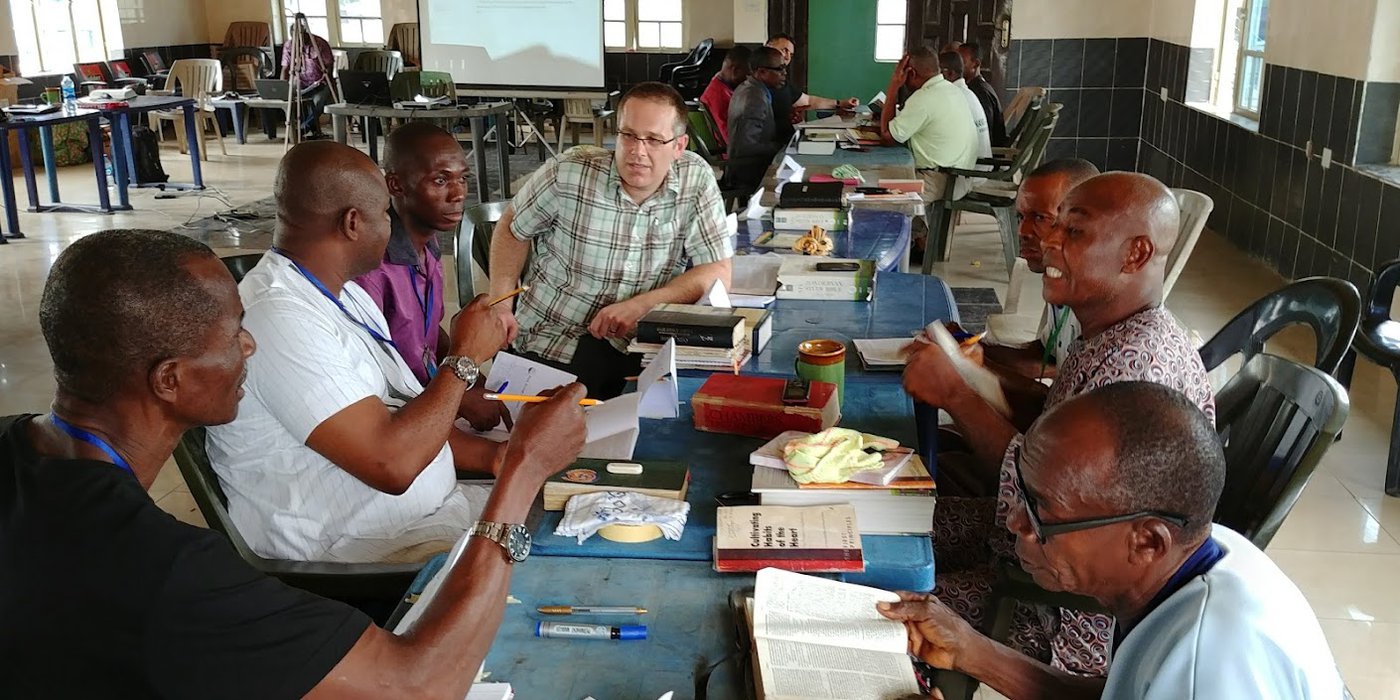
{"type": "Point", "coordinates": [806, 538]}
{"type": "Point", "coordinates": [747, 405]}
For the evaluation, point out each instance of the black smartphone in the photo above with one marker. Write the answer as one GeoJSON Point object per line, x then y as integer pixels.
{"type": "Point", "coordinates": [837, 267]}
{"type": "Point", "coordinates": [874, 190]}
{"type": "Point", "coordinates": [796, 392]}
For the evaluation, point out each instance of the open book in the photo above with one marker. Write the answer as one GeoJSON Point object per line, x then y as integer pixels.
{"type": "Point", "coordinates": [818, 639]}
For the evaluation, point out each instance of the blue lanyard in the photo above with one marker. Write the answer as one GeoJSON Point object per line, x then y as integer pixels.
{"type": "Point", "coordinates": [79, 434]}
{"type": "Point", "coordinates": [425, 302]}
{"type": "Point", "coordinates": [373, 333]}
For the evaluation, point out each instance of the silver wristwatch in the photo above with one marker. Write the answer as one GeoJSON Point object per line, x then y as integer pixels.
{"type": "Point", "coordinates": [463, 367]}
{"type": "Point", "coordinates": [515, 539]}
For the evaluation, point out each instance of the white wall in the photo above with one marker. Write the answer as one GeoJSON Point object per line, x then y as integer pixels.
{"type": "Point", "coordinates": [1329, 37]}
{"type": "Point", "coordinates": [166, 22]}
{"type": "Point", "coordinates": [1061, 19]}
{"type": "Point", "coordinates": [7, 32]}
{"type": "Point", "coordinates": [750, 21]}
{"type": "Point", "coordinates": [1385, 43]}
{"type": "Point", "coordinates": [708, 18]}
{"type": "Point", "coordinates": [396, 11]}
{"type": "Point", "coordinates": [1172, 20]}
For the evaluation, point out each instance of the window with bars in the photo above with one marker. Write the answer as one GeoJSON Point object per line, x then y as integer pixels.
{"type": "Point", "coordinates": [340, 22]}
{"type": "Point", "coordinates": [52, 35]}
{"type": "Point", "coordinates": [643, 24]}
{"type": "Point", "coordinates": [889, 29]}
{"type": "Point", "coordinates": [1251, 27]}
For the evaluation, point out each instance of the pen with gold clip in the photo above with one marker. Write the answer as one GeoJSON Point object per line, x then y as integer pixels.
{"type": "Point", "coordinates": [590, 610]}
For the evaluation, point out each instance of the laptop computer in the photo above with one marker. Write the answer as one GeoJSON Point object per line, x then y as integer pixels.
{"type": "Point", "coordinates": [272, 88]}
{"type": "Point", "coordinates": [361, 87]}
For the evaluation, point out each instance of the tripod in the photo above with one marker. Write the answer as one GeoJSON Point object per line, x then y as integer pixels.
{"type": "Point", "coordinates": [296, 105]}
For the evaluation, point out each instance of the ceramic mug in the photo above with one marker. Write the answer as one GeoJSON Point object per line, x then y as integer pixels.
{"type": "Point", "coordinates": [823, 360]}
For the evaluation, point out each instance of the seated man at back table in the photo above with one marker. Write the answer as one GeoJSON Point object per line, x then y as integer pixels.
{"type": "Point", "coordinates": [1037, 205]}
{"type": "Point", "coordinates": [753, 132]}
{"type": "Point", "coordinates": [338, 452]}
{"type": "Point", "coordinates": [1118, 487]}
{"type": "Point", "coordinates": [610, 235]}
{"type": "Point", "coordinates": [720, 91]}
{"type": "Point", "coordinates": [426, 173]}
{"type": "Point", "coordinates": [986, 94]}
{"type": "Point", "coordinates": [314, 67]}
{"type": "Point", "coordinates": [790, 103]}
{"type": "Point", "coordinates": [145, 606]}
{"type": "Point", "coordinates": [1105, 258]}
{"type": "Point", "coordinates": [935, 122]}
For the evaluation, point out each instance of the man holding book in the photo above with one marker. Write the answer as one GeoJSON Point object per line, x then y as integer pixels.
{"type": "Point", "coordinates": [1118, 487]}
{"type": "Point", "coordinates": [607, 237]}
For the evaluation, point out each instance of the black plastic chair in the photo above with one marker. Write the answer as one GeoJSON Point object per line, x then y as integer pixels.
{"type": "Point", "coordinates": [232, 57]}
{"type": "Point", "coordinates": [1276, 419]}
{"type": "Point", "coordinates": [1331, 307]}
{"type": "Point", "coordinates": [357, 584]}
{"type": "Point", "coordinates": [1378, 340]}
{"type": "Point", "coordinates": [239, 265]}
{"type": "Point", "coordinates": [686, 72]}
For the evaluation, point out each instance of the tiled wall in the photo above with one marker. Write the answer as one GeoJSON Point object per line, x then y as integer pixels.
{"type": "Point", "coordinates": [1272, 198]}
{"type": "Point", "coordinates": [1099, 82]}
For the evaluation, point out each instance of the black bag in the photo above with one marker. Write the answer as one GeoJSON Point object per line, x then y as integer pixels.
{"type": "Point", "coordinates": [146, 151]}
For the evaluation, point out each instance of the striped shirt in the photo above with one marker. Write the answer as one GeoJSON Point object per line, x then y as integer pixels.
{"type": "Point", "coordinates": [592, 246]}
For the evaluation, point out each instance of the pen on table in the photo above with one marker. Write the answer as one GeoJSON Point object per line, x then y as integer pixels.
{"type": "Point", "coordinates": [503, 297]}
{"type": "Point", "coordinates": [972, 340]}
{"type": "Point", "coordinates": [534, 399]}
{"type": "Point", "coordinates": [590, 609]}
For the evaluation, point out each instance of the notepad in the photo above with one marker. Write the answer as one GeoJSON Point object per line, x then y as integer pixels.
{"type": "Point", "coordinates": [882, 353]}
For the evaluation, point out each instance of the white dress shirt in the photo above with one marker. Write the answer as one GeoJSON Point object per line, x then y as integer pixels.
{"type": "Point", "coordinates": [312, 362]}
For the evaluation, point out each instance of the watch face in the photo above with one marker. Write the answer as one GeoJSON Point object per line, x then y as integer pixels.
{"type": "Point", "coordinates": [517, 542]}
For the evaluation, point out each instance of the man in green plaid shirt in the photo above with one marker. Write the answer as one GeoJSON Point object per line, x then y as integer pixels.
{"type": "Point", "coordinates": [610, 236]}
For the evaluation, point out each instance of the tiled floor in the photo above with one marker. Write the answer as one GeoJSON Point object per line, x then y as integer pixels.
{"type": "Point", "coordinates": [1341, 544]}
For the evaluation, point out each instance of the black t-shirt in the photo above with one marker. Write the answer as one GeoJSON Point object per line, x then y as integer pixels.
{"type": "Point", "coordinates": [783, 100]}
{"type": "Point", "coordinates": [104, 595]}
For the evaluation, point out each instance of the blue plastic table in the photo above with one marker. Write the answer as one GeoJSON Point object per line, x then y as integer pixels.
{"type": "Point", "coordinates": [21, 125]}
{"type": "Point", "coordinates": [873, 234]}
{"type": "Point", "coordinates": [123, 154]}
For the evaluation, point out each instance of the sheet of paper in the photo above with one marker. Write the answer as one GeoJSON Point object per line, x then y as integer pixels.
{"type": "Point", "coordinates": [879, 97]}
{"type": "Point", "coordinates": [882, 351]}
{"type": "Point", "coordinates": [755, 275]}
{"type": "Point", "coordinates": [717, 296]}
{"type": "Point", "coordinates": [657, 384]}
{"type": "Point", "coordinates": [525, 377]}
{"type": "Point", "coordinates": [790, 170]}
{"type": "Point", "coordinates": [731, 223]}
{"type": "Point", "coordinates": [430, 591]}
{"type": "Point", "coordinates": [612, 428]}
{"type": "Point", "coordinates": [755, 210]}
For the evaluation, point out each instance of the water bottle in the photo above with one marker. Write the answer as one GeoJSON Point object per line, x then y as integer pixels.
{"type": "Point", "coordinates": [70, 95]}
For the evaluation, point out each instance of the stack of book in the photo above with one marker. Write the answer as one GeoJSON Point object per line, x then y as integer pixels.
{"type": "Point", "coordinates": [706, 337]}
{"type": "Point", "coordinates": [802, 205]}
{"type": "Point", "coordinates": [904, 506]}
{"type": "Point", "coordinates": [895, 460]}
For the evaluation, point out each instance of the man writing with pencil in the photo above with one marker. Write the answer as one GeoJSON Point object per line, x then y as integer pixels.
{"type": "Point", "coordinates": [339, 453]}
{"type": "Point", "coordinates": [608, 237]}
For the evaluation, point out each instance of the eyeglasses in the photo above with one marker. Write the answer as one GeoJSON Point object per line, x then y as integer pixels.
{"type": "Point", "coordinates": [775, 69]}
{"type": "Point", "coordinates": [650, 143]}
{"type": "Point", "coordinates": [1044, 530]}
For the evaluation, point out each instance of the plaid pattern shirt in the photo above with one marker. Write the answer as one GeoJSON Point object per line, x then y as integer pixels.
{"type": "Point", "coordinates": [593, 246]}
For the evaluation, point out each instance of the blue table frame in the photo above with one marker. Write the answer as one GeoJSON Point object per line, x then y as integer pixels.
{"type": "Point", "coordinates": [872, 234]}
{"type": "Point", "coordinates": [124, 160]}
{"type": "Point", "coordinates": [21, 125]}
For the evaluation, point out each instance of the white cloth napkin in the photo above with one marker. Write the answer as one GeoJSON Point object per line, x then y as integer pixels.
{"type": "Point", "coordinates": [587, 513]}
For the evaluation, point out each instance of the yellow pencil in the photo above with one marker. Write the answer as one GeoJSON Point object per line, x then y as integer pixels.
{"type": "Point", "coordinates": [503, 297]}
{"type": "Point", "coordinates": [972, 340]}
{"type": "Point", "coordinates": [535, 399]}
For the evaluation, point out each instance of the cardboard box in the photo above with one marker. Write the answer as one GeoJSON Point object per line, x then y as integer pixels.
{"type": "Point", "coordinates": [798, 278]}
{"type": "Point", "coordinates": [753, 406]}
{"type": "Point", "coordinates": [9, 87]}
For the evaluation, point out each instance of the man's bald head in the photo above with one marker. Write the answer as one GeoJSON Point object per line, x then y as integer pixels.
{"type": "Point", "coordinates": [1038, 203]}
{"type": "Point", "coordinates": [319, 181]}
{"type": "Point", "coordinates": [1107, 255]}
{"type": "Point", "coordinates": [411, 146]}
{"type": "Point", "coordinates": [333, 204]}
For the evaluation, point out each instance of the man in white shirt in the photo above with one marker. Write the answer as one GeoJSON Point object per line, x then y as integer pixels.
{"type": "Point", "coordinates": [950, 64]}
{"type": "Point", "coordinates": [1117, 490]}
{"type": "Point", "coordinates": [338, 452]}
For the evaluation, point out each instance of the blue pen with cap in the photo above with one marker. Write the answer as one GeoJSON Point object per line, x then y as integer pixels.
{"type": "Point", "coordinates": [572, 630]}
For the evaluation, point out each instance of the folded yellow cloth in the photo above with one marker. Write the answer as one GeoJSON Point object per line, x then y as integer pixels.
{"type": "Point", "coordinates": [834, 455]}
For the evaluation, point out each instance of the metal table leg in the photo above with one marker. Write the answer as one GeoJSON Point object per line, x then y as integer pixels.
{"type": "Point", "coordinates": [50, 168]}
{"type": "Point", "coordinates": [7, 188]}
{"type": "Point", "coordinates": [98, 165]}
{"type": "Point", "coordinates": [26, 164]}
{"type": "Point", "coordinates": [192, 140]}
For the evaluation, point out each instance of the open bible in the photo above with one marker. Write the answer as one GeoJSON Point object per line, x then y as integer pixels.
{"type": "Point", "coordinates": [815, 638]}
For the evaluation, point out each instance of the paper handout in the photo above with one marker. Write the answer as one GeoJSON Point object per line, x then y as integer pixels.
{"type": "Point", "coordinates": [755, 210]}
{"type": "Point", "coordinates": [717, 297]}
{"type": "Point", "coordinates": [657, 383]}
{"type": "Point", "coordinates": [790, 170]}
{"type": "Point", "coordinates": [731, 223]}
{"type": "Point", "coordinates": [517, 375]}
{"type": "Point", "coordinates": [613, 426]}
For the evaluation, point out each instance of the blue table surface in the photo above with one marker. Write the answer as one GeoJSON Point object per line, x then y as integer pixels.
{"type": "Point", "coordinates": [689, 628]}
{"type": "Point", "coordinates": [29, 121]}
{"type": "Point", "coordinates": [719, 463]}
{"type": "Point", "coordinates": [872, 156]}
{"type": "Point", "coordinates": [872, 234]}
{"type": "Point", "coordinates": [903, 304]}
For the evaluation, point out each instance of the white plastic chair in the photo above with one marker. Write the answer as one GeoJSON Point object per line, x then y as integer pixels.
{"type": "Point", "coordinates": [199, 79]}
{"type": "Point", "coordinates": [1023, 99]}
{"type": "Point", "coordinates": [1195, 209]}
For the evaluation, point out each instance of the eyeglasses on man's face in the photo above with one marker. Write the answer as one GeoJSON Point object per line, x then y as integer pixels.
{"type": "Point", "coordinates": [651, 144]}
{"type": "Point", "coordinates": [776, 69]}
{"type": "Point", "coordinates": [1043, 530]}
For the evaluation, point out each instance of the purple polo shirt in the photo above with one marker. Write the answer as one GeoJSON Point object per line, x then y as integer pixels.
{"type": "Point", "coordinates": [407, 288]}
